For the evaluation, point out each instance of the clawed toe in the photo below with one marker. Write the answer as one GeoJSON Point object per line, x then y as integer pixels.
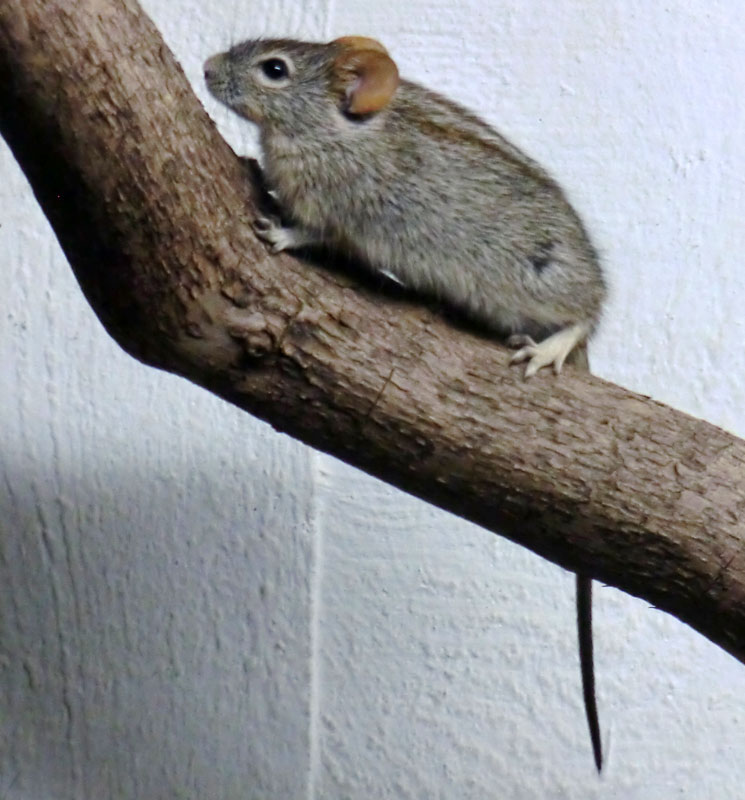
{"type": "Point", "coordinates": [262, 224]}
{"type": "Point", "coordinates": [520, 340]}
{"type": "Point", "coordinates": [536, 359]}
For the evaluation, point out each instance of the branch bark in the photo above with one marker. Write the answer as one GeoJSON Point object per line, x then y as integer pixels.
{"type": "Point", "coordinates": [153, 211]}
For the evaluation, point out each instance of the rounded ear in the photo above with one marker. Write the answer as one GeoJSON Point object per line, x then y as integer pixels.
{"type": "Point", "coordinates": [365, 73]}
{"type": "Point", "coordinates": [360, 43]}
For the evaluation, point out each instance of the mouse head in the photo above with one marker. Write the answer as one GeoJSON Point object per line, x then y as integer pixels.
{"type": "Point", "coordinates": [297, 86]}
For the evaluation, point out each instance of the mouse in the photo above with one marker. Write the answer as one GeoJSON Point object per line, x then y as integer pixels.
{"type": "Point", "coordinates": [416, 187]}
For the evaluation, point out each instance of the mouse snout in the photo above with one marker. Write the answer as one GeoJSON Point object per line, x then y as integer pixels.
{"type": "Point", "coordinates": [212, 66]}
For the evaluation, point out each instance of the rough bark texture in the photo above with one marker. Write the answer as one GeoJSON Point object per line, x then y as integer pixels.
{"type": "Point", "coordinates": [152, 209]}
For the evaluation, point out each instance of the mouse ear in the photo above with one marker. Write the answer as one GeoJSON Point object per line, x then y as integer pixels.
{"type": "Point", "coordinates": [365, 73]}
{"type": "Point", "coordinates": [360, 43]}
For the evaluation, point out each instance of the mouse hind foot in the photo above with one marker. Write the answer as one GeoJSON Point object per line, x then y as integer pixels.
{"type": "Point", "coordinates": [552, 351]}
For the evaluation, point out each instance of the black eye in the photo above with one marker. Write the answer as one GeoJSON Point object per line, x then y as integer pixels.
{"type": "Point", "coordinates": [274, 68]}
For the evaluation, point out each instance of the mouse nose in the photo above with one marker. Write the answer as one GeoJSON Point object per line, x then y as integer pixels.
{"type": "Point", "coordinates": [211, 66]}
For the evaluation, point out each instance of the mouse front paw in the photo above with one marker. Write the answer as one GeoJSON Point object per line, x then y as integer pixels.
{"type": "Point", "coordinates": [279, 237]}
{"type": "Point", "coordinates": [271, 231]}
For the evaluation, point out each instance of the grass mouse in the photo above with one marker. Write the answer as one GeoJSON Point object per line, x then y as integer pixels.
{"type": "Point", "coordinates": [413, 185]}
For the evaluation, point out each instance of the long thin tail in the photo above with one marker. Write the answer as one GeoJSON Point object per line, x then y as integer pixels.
{"type": "Point", "coordinates": [586, 664]}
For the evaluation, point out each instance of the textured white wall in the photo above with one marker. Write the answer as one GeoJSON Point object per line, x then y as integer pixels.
{"type": "Point", "coordinates": [192, 606]}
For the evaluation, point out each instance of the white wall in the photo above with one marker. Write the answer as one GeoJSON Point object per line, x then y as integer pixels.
{"type": "Point", "coordinates": [193, 606]}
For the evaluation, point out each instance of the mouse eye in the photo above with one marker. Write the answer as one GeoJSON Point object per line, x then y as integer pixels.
{"type": "Point", "coordinates": [275, 69]}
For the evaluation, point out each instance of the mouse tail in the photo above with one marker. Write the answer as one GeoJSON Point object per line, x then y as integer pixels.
{"type": "Point", "coordinates": [587, 665]}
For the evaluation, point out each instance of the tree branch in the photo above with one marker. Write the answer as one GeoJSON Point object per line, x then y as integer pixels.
{"type": "Point", "coordinates": [153, 211]}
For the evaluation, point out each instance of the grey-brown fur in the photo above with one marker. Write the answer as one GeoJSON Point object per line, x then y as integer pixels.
{"type": "Point", "coordinates": [422, 189]}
